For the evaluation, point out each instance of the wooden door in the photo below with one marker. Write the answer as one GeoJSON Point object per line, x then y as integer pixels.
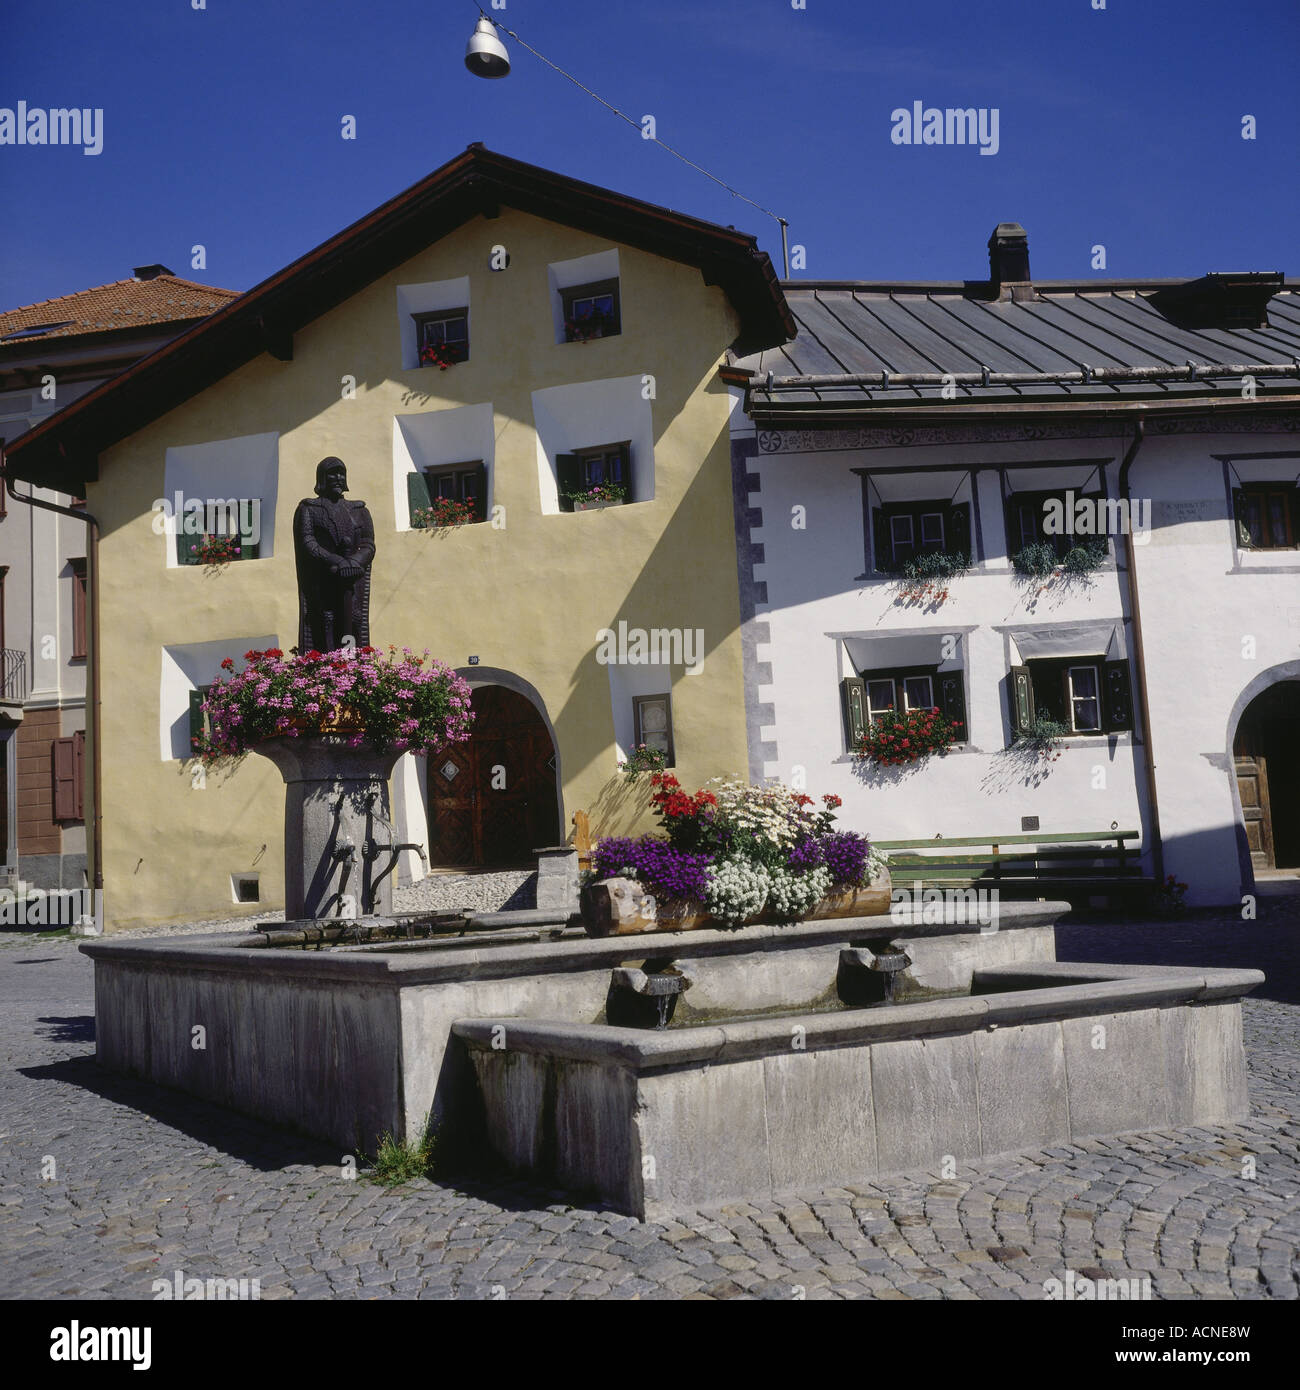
{"type": "Point", "coordinates": [1267, 757]}
{"type": "Point", "coordinates": [1252, 785]}
{"type": "Point", "coordinates": [492, 800]}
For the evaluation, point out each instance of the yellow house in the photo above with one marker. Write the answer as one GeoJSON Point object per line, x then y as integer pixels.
{"type": "Point", "coordinates": [572, 338]}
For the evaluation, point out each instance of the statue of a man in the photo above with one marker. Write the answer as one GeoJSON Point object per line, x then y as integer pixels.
{"type": "Point", "coordinates": [334, 544]}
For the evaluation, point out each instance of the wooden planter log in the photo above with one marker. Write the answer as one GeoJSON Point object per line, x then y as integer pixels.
{"type": "Point", "coordinates": [622, 907]}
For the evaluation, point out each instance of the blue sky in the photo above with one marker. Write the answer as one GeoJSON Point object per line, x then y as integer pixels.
{"type": "Point", "coordinates": [1120, 127]}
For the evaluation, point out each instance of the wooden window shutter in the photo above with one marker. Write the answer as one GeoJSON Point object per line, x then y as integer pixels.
{"type": "Point", "coordinates": [882, 546]}
{"type": "Point", "coordinates": [476, 487]}
{"type": "Point", "coordinates": [78, 607]}
{"type": "Point", "coordinates": [417, 495]}
{"type": "Point", "coordinates": [248, 547]}
{"type": "Point", "coordinates": [854, 693]}
{"type": "Point", "coordinates": [1117, 696]}
{"type": "Point", "coordinates": [183, 543]}
{"type": "Point", "coordinates": [1021, 690]}
{"type": "Point", "coordinates": [1239, 517]}
{"type": "Point", "coordinates": [79, 771]}
{"type": "Point", "coordinates": [196, 715]}
{"type": "Point", "coordinates": [64, 761]}
{"type": "Point", "coordinates": [952, 701]}
{"type": "Point", "coordinates": [956, 525]}
{"type": "Point", "coordinates": [568, 478]}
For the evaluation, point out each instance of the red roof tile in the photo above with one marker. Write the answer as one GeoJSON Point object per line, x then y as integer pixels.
{"type": "Point", "coordinates": [122, 304]}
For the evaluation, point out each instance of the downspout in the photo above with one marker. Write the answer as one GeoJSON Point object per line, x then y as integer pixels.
{"type": "Point", "coordinates": [1139, 653]}
{"type": "Point", "coordinates": [92, 603]}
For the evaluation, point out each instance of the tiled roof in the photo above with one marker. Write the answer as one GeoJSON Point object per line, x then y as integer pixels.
{"type": "Point", "coordinates": [858, 345]}
{"type": "Point", "coordinates": [122, 304]}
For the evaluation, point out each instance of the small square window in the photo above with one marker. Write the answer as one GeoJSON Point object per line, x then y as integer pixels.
{"type": "Point", "coordinates": [591, 311]}
{"type": "Point", "coordinates": [653, 718]}
{"type": "Point", "coordinates": [1267, 517]}
{"type": "Point", "coordinates": [442, 339]}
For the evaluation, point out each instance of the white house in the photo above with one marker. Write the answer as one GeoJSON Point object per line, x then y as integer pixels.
{"type": "Point", "coordinates": [912, 420]}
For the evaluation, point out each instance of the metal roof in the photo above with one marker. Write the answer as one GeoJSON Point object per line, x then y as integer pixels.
{"type": "Point", "coordinates": [880, 346]}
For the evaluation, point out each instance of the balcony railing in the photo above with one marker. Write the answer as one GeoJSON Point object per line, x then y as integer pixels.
{"type": "Point", "coordinates": [15, 675]}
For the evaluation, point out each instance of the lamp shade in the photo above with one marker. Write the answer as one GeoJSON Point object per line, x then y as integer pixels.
{"type": "Point", "coordinates": [486, 55]}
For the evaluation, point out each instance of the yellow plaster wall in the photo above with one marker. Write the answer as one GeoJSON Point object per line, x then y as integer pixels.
{"type": "Point", "coordinates": [529, 598]}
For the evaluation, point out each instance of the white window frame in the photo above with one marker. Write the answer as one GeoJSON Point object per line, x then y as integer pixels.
{"type": "Point", "coordinates": [925, 546]}
{"type": "Point", "coordinates": [907, 694]}
{"type": "Point", "coordinates": [872, 711]}
{"type": "Point", "coordinates": [1075, 700]}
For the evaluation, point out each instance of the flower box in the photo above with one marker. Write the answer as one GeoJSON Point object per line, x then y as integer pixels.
{"type": "Point", "coordinates": [595, 506]}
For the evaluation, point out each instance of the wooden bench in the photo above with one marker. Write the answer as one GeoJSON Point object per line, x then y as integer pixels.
{"type": "Point", "coordinates": [1069, 865]}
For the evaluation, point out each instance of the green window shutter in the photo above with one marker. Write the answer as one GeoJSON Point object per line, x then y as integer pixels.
{"type": "Point", "coordinates": [1295, 515]}
{"type": "Point", "coordinates": [952, 701]}
{"type": "Point", "coordinates": [196, 714]}
{"type": "Point", "coordinates": [1239, 517]}
{"type": "Point", "coordinates": [417, 494]}
{"type": "Point", "coordinates": [568, 478]}
{"type": "Point", "coordinates": [183, 543]}
{"type": "Point", "coordinates": [1117, 696]}
{"type": "Point", "coordinates": [956, 526]}
{"type": "Point", "coordinates": [882, 556]}
{"type": "Point", "coordinates": [1021, 690]}
{"type": "Point", "coordinates": [248, 547]}
{"type": "Point", "coordinates": [476, 488]}
{"type": "Point", "coordinates": [854, 694]}
{"type": "Point", "coordinates": [624, 451]}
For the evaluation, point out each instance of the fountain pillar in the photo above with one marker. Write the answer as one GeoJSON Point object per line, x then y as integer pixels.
{"type": "Point", "coordinates": [339, 845]}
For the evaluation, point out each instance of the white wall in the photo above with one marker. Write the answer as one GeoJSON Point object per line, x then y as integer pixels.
{"type": "Point", "coordinates": [244, 468]}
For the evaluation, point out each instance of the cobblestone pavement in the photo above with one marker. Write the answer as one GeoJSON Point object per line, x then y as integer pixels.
{"type": "Point", "coordinates": [147, 1183]}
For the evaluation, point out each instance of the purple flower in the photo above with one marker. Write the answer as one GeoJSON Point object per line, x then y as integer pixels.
{"type": "Point", "coordinates": [667, 872]}
{"type": "Point", "coordinates": [845, 854]}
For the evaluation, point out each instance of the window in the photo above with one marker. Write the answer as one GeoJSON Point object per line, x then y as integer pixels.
{"type": "Point", "coordinates": [1026, 521]}
{"type": "Point", "coordinates": [591, 311]}
{"type": "Point", "coordinates": [455, 482]}
{"type": "Point", "coordinates": [591, 477]}
{"type": "Point", "coordinates": [240, 519]}
{"type": "Point", "coordinates": [1267, 515]}
{"type": "Point", "coordinates": [868, 696]}
{"type": "Point", "coordinates": [904, 530]}
{"type": "Point", "coordinates": [200, 724]}
{"type": "Point", "coordinates": [68, 759]}
{"type": "Point", "coordinates": [78, 608]}
{"type": "Point", "coordinates": [1086, 695]}
{"type": "Point", "coordinates": [442, 338]}
{"type": "Point", "coordinates": [652, 717]}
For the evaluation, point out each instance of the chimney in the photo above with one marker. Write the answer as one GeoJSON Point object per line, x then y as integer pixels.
{"type": "Point", "coordinates": [1009, 262]}
{"type": "Point", "coordinates": [151, 272]}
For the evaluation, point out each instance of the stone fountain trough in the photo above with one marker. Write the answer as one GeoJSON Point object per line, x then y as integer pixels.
{"type": "Point", "coordinates": [657, 1122]}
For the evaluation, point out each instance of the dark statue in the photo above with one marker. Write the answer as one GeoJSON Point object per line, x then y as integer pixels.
{"type": "Point", "coordinates": [334, 545]}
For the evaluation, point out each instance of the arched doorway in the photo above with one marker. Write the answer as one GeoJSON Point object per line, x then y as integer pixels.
{"type": "Point", "coordinates": [492, 800]}
{"type": "Point", "coordinates": [1266, 756]}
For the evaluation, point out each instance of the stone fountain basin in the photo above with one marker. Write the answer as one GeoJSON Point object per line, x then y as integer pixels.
{"type": "Point", "coordinates": [350, 1040]}
{"type": "Point", "coordinates": [656, 1123]}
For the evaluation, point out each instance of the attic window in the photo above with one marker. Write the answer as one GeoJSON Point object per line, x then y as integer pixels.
{"type": "Point", "coordinates": [34, 330]}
